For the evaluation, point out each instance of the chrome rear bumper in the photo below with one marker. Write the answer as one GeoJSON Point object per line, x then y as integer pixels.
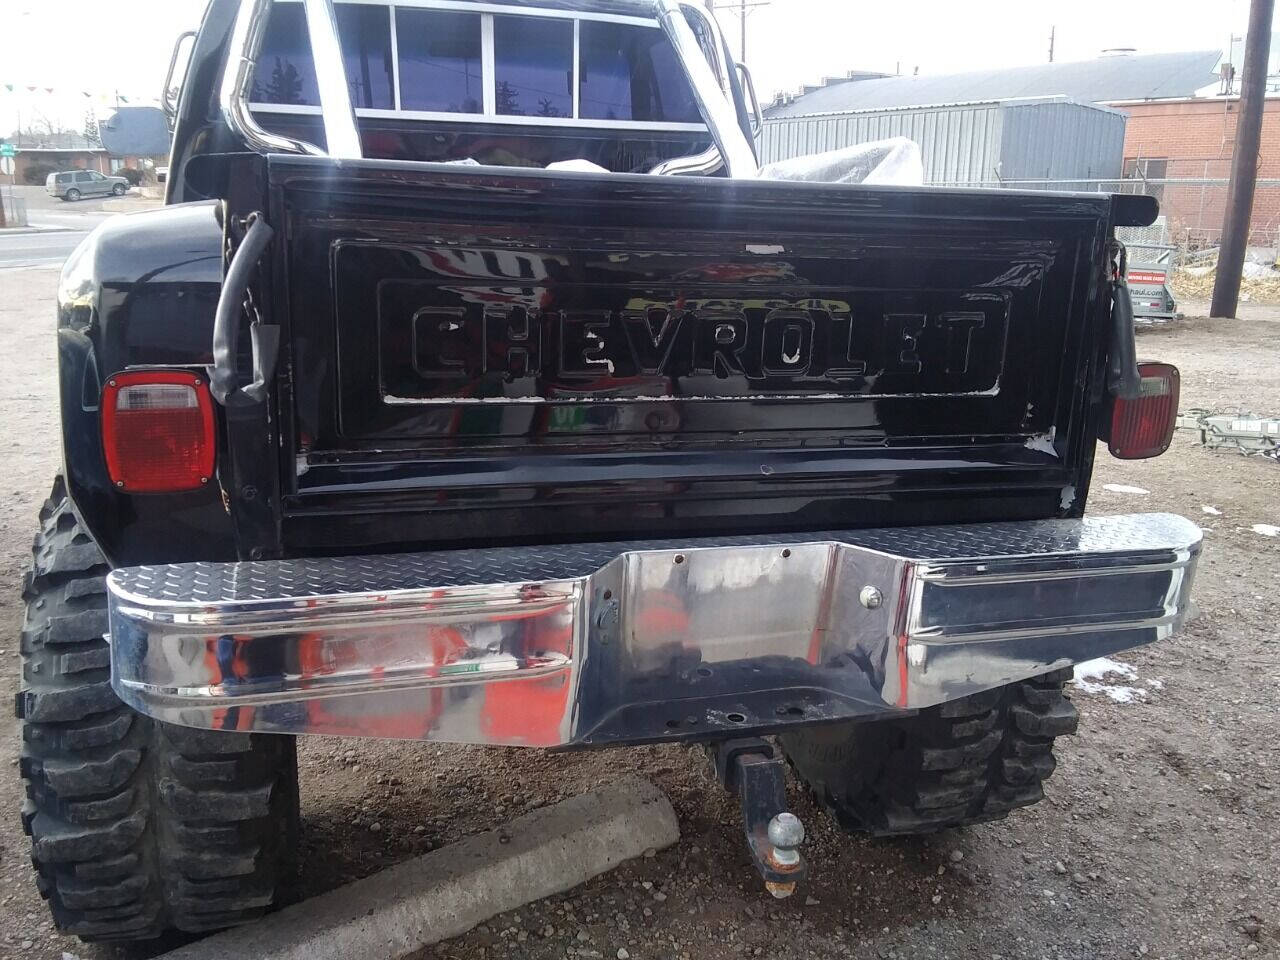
{"type": "Point", "coordinates": [630, 642]}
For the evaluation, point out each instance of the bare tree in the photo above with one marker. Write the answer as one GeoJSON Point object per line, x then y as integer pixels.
{"type": "Point", "coordinates": [91, 133]}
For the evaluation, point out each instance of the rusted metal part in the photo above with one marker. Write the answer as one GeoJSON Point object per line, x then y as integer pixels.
{"type": "Point", "coordinates": [754, 770]}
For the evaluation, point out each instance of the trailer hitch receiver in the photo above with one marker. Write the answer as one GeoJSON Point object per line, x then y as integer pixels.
{"type": "Point", "coordinates": [753, 769]}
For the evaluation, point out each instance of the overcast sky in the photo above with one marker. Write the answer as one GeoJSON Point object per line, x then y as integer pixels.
{"type": "Point", "coordinates": [77, 46]}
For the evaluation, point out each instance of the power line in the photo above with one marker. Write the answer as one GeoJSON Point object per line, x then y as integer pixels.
{"type": "Point", "coordinates": [742, 9]}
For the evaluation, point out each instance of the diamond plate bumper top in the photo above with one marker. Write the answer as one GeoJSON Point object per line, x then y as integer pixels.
{"type": "Point", "coordinates": [645, 641]}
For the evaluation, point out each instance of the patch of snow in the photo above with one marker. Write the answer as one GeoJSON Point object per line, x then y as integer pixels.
{"type": "Point", "coordinates": [1043, 442]}
{"type": "Point", "coordinates": [1266, 529]}
{"type": "Point", "coordinates": [1089, 677]}
{"type": "Point", "coordinates": [1121, 488]}
{"type": "Point", "coordinates": [1068, 499]}
{"type": "Point", "coordinates": [1211, 511]}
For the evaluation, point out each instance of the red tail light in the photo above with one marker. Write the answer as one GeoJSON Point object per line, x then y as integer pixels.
{"type": "Point", "coordinates": [1143, 426]}
{"type": "Point", "coordinates": [157, 431]}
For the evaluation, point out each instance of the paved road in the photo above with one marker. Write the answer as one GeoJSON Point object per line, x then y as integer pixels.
{"type": "Point", "coordinates": [66, 224]}
{"type": "Point", "coordinates": [37, 249]}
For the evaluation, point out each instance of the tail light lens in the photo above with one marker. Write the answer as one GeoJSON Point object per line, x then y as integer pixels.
{"type": "Point", "coordinates": [1143, 426]}
{"type": "Point", "coordinates": [157, 431]}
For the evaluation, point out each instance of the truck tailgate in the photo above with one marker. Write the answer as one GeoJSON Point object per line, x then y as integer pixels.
{"type": "Point", "coordinates": [490, 355]}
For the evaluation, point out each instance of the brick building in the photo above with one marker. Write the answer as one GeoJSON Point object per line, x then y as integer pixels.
{"type": "Point", "coordinates": [61, 151]}
{"type": "Point", "coordinates": [1192, 139]}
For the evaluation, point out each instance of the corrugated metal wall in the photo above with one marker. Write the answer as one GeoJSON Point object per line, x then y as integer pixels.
{"type": "Point", "coordinates": [971, 142]}
{"type": "Point", "coordinates": [1060, 140]}
{"type": "Point", "coordinates": [957, 142]}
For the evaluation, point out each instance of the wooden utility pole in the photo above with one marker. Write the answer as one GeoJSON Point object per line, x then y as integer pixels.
{"type": "Point", "coordinates": [1053, 33]}
{"type": "Point", "coordinates": [1244, 161]}
{"type": "Point", "coordinates": [743, 9]}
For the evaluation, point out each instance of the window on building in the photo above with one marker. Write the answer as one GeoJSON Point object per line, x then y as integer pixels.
{"type": "Point", "coordinates": [631, 73]}
{"type": "Point", "coordinates": [533, 66]}
{"type": "Point", "coordinates": [1144, 170]}
{"type": "Point", "coordinates": [286, 74]}
{"type": "Point", "coordinates": [441, 61]}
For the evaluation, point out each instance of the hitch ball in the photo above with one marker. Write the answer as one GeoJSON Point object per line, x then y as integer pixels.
{"type": "Point", "coordinates": [786, 833]}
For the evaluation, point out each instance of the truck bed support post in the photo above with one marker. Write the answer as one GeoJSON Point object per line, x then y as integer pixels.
{"type": "Point", "coordinates": [1244, 162]}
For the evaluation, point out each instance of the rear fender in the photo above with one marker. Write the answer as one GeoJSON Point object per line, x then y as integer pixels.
{"type": "Point", "coordinates": [140, 291]}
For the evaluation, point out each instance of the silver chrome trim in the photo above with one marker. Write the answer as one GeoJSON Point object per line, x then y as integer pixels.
{"type": "Point", "coordinates": [749, 88]}
{"type": "Point", "coordinates": [237, 82]}
{"type": "Point", "coordinates": [706, 69]}
{"type": "Point", "coordinates": [695, 165]}
{"type": "Point", "coordinates": [717, 110]}
{"type": "Point", "coordinates": [497, 118]}
{"type": "Point", "coordinates": [169, 97]}
{"type": "Point", "coordinates": [600, 643]}
{"type": "Point", "coordinates": [342, 136]}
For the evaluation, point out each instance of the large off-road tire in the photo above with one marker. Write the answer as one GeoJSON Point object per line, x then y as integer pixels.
{"type": "Point", "coordinates": [963, 762]}
{"type": "Point", "coordinates": [136, 827]}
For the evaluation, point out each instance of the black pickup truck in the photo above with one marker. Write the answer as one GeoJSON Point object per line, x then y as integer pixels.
{"type": "Point", "coordinates": [381, 428]}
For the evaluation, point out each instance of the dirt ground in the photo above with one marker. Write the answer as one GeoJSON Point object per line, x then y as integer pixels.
{"type": "Point", "coordinates": [1160, 836]}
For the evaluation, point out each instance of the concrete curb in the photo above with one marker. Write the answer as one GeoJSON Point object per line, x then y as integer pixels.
{"type": "Point", "coordinates": [131, 204]}
{"type": "Point", "coordinates": [23, 231]}
{"type": "Point", "coordinates": [448, 891]}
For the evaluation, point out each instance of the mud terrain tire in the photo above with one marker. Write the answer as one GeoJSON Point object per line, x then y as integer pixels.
{"type": "Point", "coordinates": [136, 826]}
{"type": "Point", "coordinates": [962, 762]}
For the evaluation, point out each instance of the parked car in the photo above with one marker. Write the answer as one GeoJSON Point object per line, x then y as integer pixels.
{"type": "Point", "coordinates": [473, 452]}
{"type": "Point", "coordinates": [74, 184]}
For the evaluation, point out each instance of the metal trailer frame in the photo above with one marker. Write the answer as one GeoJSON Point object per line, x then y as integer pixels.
{"type": "Point", "coordinates": [1152, 298]}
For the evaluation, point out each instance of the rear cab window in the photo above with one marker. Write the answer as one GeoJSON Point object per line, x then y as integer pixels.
{"type": "Point", "coordinates": [441, 61]}
{"type": "Point", "coordinates": [446, 62]}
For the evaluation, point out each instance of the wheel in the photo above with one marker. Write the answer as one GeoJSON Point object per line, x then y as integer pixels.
{"type": "Point", "coordinates": [72, 194]}
{"type": "Point", "coordinates": [119, 189]}
{"type": "Point", "coordinates": [962, 762]}
{"type": "Point", "coordinates": [136, 826]}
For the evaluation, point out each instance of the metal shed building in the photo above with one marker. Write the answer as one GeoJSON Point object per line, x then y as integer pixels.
{"type": "Point", "coordinates": [1046, 138]}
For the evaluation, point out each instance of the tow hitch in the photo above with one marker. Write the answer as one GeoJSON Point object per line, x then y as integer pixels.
{"type": "Point", "coordinates": [752, 768]}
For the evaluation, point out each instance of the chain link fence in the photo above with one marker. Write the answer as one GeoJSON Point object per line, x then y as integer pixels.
{"type": "Point", "coordinates": [1193, 200]}
{"type": "Point", "coordinates": [14, 206]}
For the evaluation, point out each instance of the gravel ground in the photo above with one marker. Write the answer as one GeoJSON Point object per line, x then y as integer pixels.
{"type": "Point", "coordinates": [1160, 836]}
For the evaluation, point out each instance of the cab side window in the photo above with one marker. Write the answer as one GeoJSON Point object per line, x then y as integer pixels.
{"type": "Point", "coordinates": [631, 73]}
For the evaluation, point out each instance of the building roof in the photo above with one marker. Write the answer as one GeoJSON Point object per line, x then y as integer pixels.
{"type": "Point", "coordinates": [52, 143]}
{"type": "Point", "coordinates": [136, 132]}
{"type": "Point", "coordinates": [1107, 79]}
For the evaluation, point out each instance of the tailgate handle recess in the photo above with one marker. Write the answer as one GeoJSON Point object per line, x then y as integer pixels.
{"type": "Point", "coordinates": [226, 325]}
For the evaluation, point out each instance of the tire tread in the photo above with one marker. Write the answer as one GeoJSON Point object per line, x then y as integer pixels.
{"type": "Point", "coordinates": [118, 806]}
{"type": "Point", "coordinates": [965, 761]}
